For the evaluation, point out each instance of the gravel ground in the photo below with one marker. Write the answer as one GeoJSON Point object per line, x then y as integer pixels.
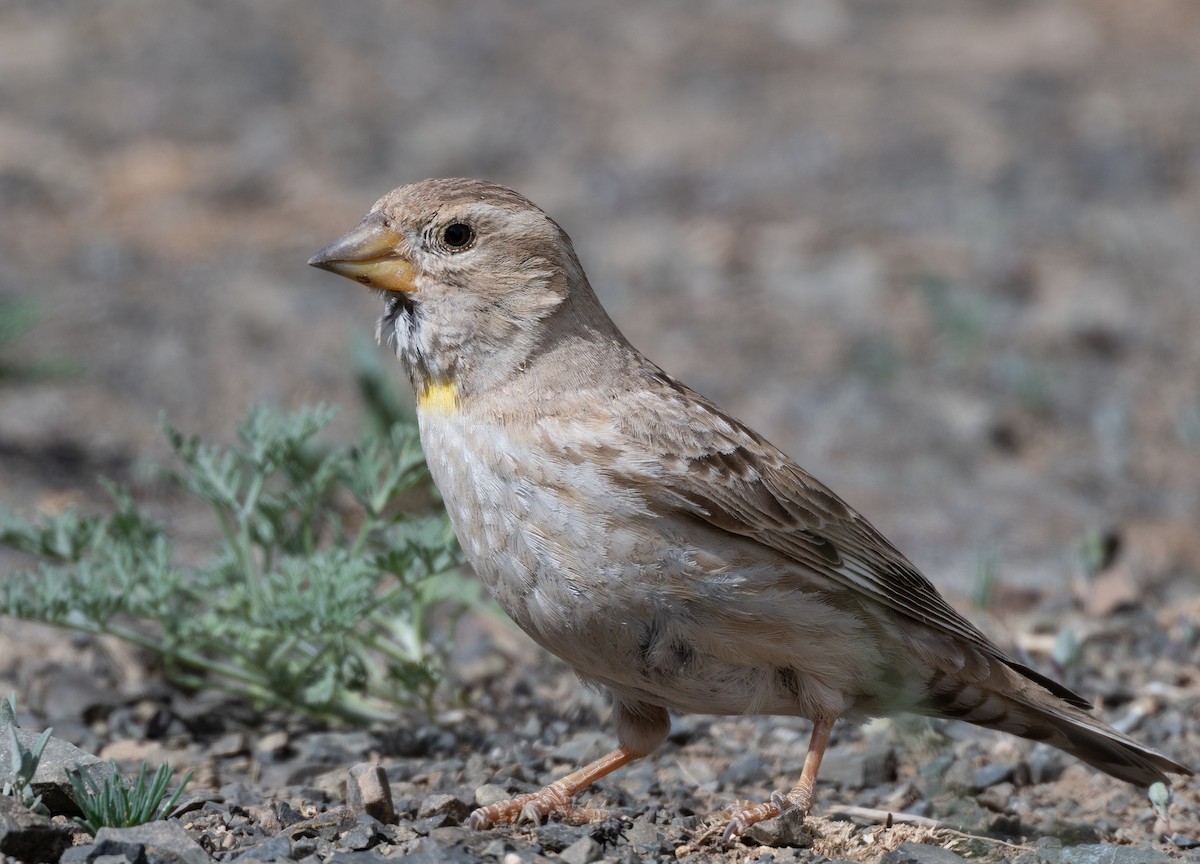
{"type": "Point", "coordinates": [944, 254]}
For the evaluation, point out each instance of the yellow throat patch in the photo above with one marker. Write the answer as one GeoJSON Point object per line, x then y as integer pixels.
{"type": "Point", "coordinates": [439, 398]}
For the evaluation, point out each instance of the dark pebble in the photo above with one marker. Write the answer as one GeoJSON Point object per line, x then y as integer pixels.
{"type": "Point", "coordinates": [557, 836]}
{"type": "Point", "coordinates": [278, 848]}
{"type": "Point", "coordinates": [1104, 853]}
{"type": "Point", "coordinates": [920, 853]}
{"type": "Point", "coordinates": [992, 774]}
{"type": "Point", "coordinates": [367, 833]}
{"type": "Point", "coordinates": [788, 829]}
{"type": "Point", "coordinates": [585, 850]}
{"type": "Point", "coordinates": [134, 853]}
{"type": "Point", "coordinates": [451, 806]}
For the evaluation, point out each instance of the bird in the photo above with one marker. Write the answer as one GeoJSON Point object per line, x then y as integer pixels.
{"type": "Point", "coordinates": [663, 549]}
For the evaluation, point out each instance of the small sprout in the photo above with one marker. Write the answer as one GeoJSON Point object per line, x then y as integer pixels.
{"type": "Point", "coordinates": [24, 765]}
{"type": "Point", "coordinates": [8, 710]}
{"type": "Point", "coordinates": [113, 804]}
{"type": "Point", "coordinates": [1067, 649]}
{"type": "Point", "coordinates": [983, 592]}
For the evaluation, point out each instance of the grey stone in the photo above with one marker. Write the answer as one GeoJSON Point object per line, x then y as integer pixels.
{"type": "Point", "coordinates": [368, 792]}
{"type": "Point", "coordinates": [51, 781]}
{"type": "Point", "coordinates": [277, 848]}
{"type": "Point", "coordinates": [231, 744]}
{"type": "Point", "coordinates": [996, 798]}
{"type": "Point", "coordinates": [859, 769]}
{"type": "Point", "coordinates": [743, 770]}
{"type": "Point", "coordinates": [367, 833]}
{"type": "Point", "coordinates": [788, 829]}
{"type": "Point", "coordinates": [1045, 765]}
{"type": "Point", "coordinates": [489, 794]}
{"type": "Point", "coordinates": [1103, 853]}
{"type": "Point", "coordinates": [992, 774]}
{"type": "Point", "coordinates": [423, 851]}
{"type": "Point", "coordinates": [134, 853]}
{"type": "Point", "coordinates": [645, 838]}
{"type": "Point", "coordinates": [585, 850]}
{"type": "Point", "coordinates": [920, 853]}
{"type": "Point", "coordinates": [583, 748]}
{"type": "Point", "coordinates": [363, 857]}
{"type": "Point", "coordinates": [77, 854]}
{"type": "Point", "coordinates": [165, 839]}
{"type": "Point", "coordinates": [557, 836]}
{"type": "Point", "coordinates": [27, 836]}
{"type": "Point", "coordinates": [272, 746]}
{"type": "Point", "coordinates": [452, 808]}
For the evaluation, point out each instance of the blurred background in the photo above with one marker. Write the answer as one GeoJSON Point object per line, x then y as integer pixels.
{"type": "Point", "coordinates": [946, 254]}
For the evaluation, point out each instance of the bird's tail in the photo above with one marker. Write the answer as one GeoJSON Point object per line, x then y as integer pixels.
{"type": "Point", "coordinates": [1027, 708]}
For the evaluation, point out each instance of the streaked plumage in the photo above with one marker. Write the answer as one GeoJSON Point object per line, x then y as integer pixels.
{"type": "Point", "coordinates": [659, 546]}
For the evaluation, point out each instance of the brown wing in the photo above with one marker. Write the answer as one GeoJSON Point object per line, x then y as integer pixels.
{"type": "Point", "coordinates": [729, 476]}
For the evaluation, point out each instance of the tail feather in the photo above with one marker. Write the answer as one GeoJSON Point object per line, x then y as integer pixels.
{"type": "Point", "coordinates": [1029, 711]}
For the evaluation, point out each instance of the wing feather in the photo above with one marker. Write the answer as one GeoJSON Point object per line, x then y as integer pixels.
{"type": "Point", "coordinates": [733, 479]}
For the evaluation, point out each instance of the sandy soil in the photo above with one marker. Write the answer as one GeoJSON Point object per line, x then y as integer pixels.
{"type": "Point", "coordinates": [945, 254]}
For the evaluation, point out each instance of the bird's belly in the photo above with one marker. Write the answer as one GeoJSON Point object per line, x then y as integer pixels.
{"type": "Point", "coordinates": [626, 601]}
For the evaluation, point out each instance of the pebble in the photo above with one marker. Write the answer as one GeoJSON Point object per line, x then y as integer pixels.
{"type": "Point", "coordinates": [1103, 853]}
{"type": "Point", "coordinates": [585, 850]}
{"type": "Point", "coordinates": [28, 836]}
{"type": "Point", "coordinates": [166, 840]}
{"type": "Point", "coordinates": [920, 853]}
{"type": "Point", "coordinates": [557, 836]}
{"type": "Point", "coordinates": [366, 833]}
{"type": "Point", "coordinates": [272, 746]}
{"type": "Point", "coordinates": [490, 793]}
{"type": "Point", "coordinates": [583, 748]}
{"type": "Point", "coordinates": [449, 806]}
{"type": "Point", "coordinates": [230, 744]}
{"type": "Point", "coordinates": [860, 769]}
{"type": "Point", "coordinates": [744, 770]}
{"type": "Point", "coordinates": [367, 791]}
{"type": "Point", "coordinates": [992, 774]}
{"type": "Point", "coordinates": [788, 829]}
{"type": "Point", "coordinates": [645, 838]}
{"type": "Point", "coordinates": [997, 797]}
{"type": "Point", "coordinates": [277, 848]}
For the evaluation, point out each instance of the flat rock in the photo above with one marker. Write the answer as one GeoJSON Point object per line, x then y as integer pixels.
{"type": "Point", "coordinates": [1103, 853]}
{"type": "Point", "coordinates": [789, 828]}
{"type": "Point", "coordinates": [920, 853]}
{"type": "Point", "coordinates": [27, 836]}
{"type": "Point", "coordinates": [278, 848]}
{"type": "Point", "coordinates": [165, 839]}
{"type": "Point", "coordinates": [449, 806]}
{"type": "Point", "coordinates": [51, 781]}
{"type": "Point", "coordinates": [585, 850]}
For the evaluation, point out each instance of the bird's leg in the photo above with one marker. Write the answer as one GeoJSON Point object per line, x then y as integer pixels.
{"type": "Point", "coordinates": [536, 806]}
{"type": "Point", "coordinates": [801, 795]}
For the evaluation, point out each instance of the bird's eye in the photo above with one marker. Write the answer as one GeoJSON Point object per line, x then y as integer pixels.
{"type": "Point", "coordinates": [457, 235]}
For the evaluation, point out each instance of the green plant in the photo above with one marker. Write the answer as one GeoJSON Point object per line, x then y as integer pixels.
{"type": "Point", "coordinates": [23, 761]}
{"type": "Point", "coordinates": [17, 318]}
{"type": "Point", "coordinates": [319, 597]}
{"type": "Point", "coordinates": [987, 577]}
{"type": "Point", "coordinates": [114, 804]}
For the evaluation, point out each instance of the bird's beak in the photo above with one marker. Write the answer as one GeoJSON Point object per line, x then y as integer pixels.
{"type": "Point", "coordinates": [369, 254]}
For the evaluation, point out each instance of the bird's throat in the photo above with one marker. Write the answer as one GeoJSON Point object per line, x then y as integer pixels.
{"type": "Point", "coordinates": [439, 397]}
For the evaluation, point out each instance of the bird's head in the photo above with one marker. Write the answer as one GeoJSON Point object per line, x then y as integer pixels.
{"type": "Point", "coordinates": [471, 272]}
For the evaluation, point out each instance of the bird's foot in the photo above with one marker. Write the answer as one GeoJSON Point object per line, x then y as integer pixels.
{"type": "Point", "coordinates": [533, 807]}
{"type": "Point", "coordinates": [780, 801]}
